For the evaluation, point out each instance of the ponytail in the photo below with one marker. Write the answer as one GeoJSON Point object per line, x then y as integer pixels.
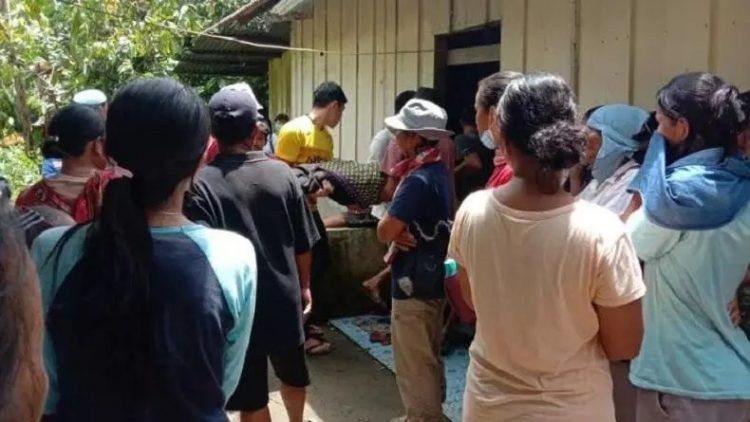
{"type": "Point", "coordinates": [157, 129]}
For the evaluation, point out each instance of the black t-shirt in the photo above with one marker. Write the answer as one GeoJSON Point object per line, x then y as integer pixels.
{"type": "Point", "coordinates": [260, 199]}
{"type": "Point", "coordinates": [468, 183]}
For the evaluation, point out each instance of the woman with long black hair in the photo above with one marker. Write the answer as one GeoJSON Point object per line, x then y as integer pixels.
{"type": "Point", "coordinates": [148, 315]}
{"type": "Point", "coordinates": [692, 233]}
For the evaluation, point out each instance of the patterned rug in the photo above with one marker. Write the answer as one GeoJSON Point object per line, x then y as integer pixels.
{"type": "Point", "coordinates": [359, 329]}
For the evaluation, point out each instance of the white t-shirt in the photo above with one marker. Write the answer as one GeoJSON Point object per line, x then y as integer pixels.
{"type": "Point", "coordinates": [535, 278]}
{"type": "Point", "coordinates": [379, 146]}
{"type": "Point", "coordinates": [613, 194]}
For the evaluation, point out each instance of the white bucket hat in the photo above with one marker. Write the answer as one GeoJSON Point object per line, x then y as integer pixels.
{"type": "Point", "coordinates": [422, 117]}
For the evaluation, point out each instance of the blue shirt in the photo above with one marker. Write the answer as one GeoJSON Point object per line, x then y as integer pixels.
{"type": "Point", "coordinates": [423, 201]}
{"type": "Point", "coordinates": [690, 346]}
{"type": "Point", "coordinates": [202, 284]}
{"type": "Point", "coordinates": [51, 167]}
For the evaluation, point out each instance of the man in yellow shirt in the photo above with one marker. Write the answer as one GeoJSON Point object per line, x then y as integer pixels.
{"type": "Point", "coordinates": [306, 139]}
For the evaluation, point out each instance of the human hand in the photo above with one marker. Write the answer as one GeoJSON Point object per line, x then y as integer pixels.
{"type": "Point", "coordinates": [326, 189]}
{"type": "Point", "coordinates": [405, 241]}
{"type": "Point", "coordinates": [306, 303]}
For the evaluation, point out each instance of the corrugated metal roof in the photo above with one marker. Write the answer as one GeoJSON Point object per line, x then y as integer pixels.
{"type": "Point", "coordinates": [251, 22]}
{"type": "Point", "coordinates": [292, 9]}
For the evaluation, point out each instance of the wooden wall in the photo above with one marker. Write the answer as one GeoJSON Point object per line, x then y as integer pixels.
{"type": "Point", "coordinates": [625, 50]}
{"type": "Point", "coordinates": [376, 49]}
{"type": "Point", "coordinates": [609, 50]}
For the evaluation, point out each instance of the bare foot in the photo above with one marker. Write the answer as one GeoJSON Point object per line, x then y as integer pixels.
{"type": "Point", "coordinates": [372, 288]}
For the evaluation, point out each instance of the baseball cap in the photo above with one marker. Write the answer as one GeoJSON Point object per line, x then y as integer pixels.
{"type": "Point", "coordinates": [230, 106]}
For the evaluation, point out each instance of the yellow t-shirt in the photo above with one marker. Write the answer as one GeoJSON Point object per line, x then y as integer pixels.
{"type": "Point", "coordinates": [535, 279]}
{"type": "Point", "coordinates": [300, 141]}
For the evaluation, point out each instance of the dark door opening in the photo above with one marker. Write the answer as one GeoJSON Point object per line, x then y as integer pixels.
{"type": "Point", "coordinates": [462, 59]}
{"type": "Point", "coordinates": [461, 89]}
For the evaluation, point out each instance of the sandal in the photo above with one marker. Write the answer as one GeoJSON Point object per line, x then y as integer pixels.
{"type": "Point", "coordinates": [315, 347]}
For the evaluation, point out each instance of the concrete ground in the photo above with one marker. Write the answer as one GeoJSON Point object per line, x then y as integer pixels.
{"type": "Point", "coordinates": [347, 386]}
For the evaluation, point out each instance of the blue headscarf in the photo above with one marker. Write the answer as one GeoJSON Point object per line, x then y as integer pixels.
{"type": "Point", "coordinates": [618, 123]}
{"type": "Point", "coordinates": [702, 191]}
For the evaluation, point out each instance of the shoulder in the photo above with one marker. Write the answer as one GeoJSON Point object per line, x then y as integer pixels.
{"type": "Point", "coordinates": [597, 223]}
{"type": "Point", "coordinates": [298, 125]}
{"type": "Point", "coordinates": [47, 240]}
{"type": "Point", "coordinates": [30, 192]}
{"type": "Point", "coordinates": [475, 204]}
{"type": "Point", "coordinates": [222, 246]}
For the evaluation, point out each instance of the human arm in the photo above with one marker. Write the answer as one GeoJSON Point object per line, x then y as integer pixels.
{"type": "Point", "coordinates": [240, 293]}
{"type": "Point", "coordinates": [455, 251]}
{"type": "Point", "coordinates": [304, 266]}
{"type": "Point", "coordinates": [618, 289]}
{"type": "Point", "coordinates": [621, 330]}
{"type": "Point", "coordinates": [403, 210]}
{"type": "Point", "coordinates": [470, 164]}
{"type": "Point", "coordinates": [305, 236]}
{"type": "Point", "coordinates": [650, 241]}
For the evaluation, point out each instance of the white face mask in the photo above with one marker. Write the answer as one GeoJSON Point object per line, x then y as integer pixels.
{"type": "Point", "coordinates": [487, 140]}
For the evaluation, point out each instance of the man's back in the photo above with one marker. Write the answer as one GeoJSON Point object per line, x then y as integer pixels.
{"type": "Point", "coordinates": [260, 199]}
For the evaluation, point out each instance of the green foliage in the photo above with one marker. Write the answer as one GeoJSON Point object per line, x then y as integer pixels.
{"type": "Point", "coordinates": [20, 169]}
{"type": "Point", "coordinates": [58, 47]}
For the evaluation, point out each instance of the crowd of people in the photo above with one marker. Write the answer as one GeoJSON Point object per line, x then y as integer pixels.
{"type": "Point", "coordinates": [170, 252]}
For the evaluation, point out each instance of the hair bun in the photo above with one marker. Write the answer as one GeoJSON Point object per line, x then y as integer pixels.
{"type": "Point", "coordinates": [559, 146]}
{"type": "Point", "coordinates": [727, 101]}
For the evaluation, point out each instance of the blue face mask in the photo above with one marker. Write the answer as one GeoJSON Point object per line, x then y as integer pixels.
{"type": "Point", "coordinates": [487, 140]}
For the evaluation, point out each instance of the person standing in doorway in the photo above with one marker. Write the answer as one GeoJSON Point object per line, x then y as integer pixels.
{"type": "Point", "coordinates": [417, 226]}
{"type": "Point", "coordinates": [244, 191]}
{"type": "Point", "coordinates": [306, 140]}
{"type": "Point", "coordinates": [554, 281]}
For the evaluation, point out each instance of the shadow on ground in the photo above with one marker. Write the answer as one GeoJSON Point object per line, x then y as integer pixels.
{"type": "Point", "coordinates": [347, 386]}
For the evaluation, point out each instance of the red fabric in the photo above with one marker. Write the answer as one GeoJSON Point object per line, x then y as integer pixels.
{"type": "Point", "coordinates": [83, 208]}
{"type": "Point", "coordinates": [394, 155]}
{"type": "Point", "coordinates": [500, 176]}
{"type": "Point", "coordinates": [212, 150]}
{"type": "Point", "coordinates": [502, 172]}
{"type": "Point", "coordinates": [405, 167]}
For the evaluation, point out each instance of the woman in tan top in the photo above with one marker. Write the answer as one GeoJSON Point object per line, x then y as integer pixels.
{"type": "Point", "coordinates": [554, 281]}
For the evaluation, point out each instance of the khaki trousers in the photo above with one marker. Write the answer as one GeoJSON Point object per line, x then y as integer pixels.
{"type": "Point", "coordinates": [661, 407]}
{"type": "Point", "coordinates": [417, 334]}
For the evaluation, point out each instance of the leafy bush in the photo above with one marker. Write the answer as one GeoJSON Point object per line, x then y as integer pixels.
{"type": "Point", "coordinates": [16, 166]}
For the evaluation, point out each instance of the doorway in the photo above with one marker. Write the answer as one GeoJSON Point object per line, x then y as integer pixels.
{"type": "Point", "coordinates": [462, 59]}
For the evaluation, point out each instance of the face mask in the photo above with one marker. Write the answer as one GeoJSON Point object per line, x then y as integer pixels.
{"type": "Point", "coordinates": [487, 140]}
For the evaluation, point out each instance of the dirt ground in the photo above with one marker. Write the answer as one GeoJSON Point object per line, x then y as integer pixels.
{"type": "Point", "coordinates": [347, 386]}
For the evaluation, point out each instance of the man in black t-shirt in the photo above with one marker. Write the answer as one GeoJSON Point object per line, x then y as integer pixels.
{"type": "Point", "coordinates": [246, 192]}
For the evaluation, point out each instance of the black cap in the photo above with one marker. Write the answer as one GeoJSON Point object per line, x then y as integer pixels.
{"type": "Point", "coordinates": [233, 107]}
{"type": "Point", "coordinates": [71, 129]}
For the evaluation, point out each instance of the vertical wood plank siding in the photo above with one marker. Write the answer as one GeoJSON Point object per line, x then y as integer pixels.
{"type": "Point", "coordinates": [610, 50]}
